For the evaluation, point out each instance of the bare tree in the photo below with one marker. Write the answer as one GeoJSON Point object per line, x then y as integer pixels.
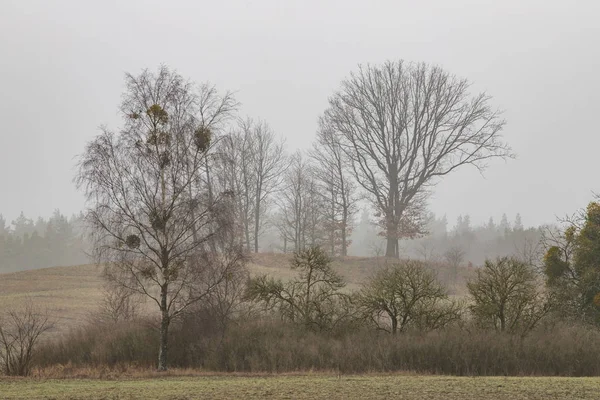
{"type": "Point", "coordinates": [404, 126]}
{"type": "Point", "coordinates": [268, 167]}
{"type": "Point", "coordinates": [156, 222]}
{"type": "Point", "coordinates": [454, 256]}
{"type": "Point", "coordinates": [407, 295]}
{"type": "Point", "coordinates": [20, 332]}
{"type": "Point", "coordinates": [426, 250]}
{"type": "Point", "coordinates": [119, 304]}
{"type": "Point", "coordinates": [236, 174]}
{"type": "Point", "coordinates": [314, 299]}
{"type": "Point", "coordinates": [256, 160]}
{"type": "Point", "coordinates": [530, 250]}
{"type": "Point", "coordinates": [337, 189]}
{"type": "Point", "coordinates": [505, 296]}
{"type": "Point", "coordinates": [300, 206]}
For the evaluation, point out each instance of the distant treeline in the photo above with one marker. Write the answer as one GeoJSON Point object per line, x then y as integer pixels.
{"type": "Point", "coordinates": [56, 241]}
{"type": "Point", "coordinates": [460, 243]}
{"type": "Point", "coordinates": [59, 241]}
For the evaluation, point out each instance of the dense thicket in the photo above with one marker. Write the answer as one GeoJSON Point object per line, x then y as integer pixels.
{"type": "Point", "coordinates": [269, 345]}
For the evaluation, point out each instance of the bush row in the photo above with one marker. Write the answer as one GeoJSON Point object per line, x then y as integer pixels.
{"type": "Point", "coordinates": [272, 346]}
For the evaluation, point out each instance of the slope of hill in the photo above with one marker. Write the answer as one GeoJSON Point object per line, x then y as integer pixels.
{"type": "Point", "coordinates": [72, 294]}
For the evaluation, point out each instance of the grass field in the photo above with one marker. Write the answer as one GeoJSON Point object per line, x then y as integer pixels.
{"type": "Point", "coordinates": [72, 294]}
{"type": "Point", "coordinates": [306, 387]}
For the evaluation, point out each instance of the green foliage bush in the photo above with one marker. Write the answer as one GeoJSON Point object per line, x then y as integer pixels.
{"type": "Point", "coordinates": [572, 268]}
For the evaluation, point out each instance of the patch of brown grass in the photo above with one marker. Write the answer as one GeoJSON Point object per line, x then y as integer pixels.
{"type": "Point", "coordinates": [72, 294]}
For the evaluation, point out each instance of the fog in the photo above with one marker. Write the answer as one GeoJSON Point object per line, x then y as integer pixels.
{"type": "Point", "coordinates": [63, 64]}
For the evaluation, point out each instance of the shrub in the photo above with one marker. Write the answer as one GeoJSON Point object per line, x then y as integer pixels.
{"type": "Point", "coordinates": [407, 295]}
{"type": "Point", "coordinates": [314, 299]}
{"type": "Point", "coordinates": [506, 296]}
{"type": "Point", "coordinates": [274, 346]}
{"type": "Point", "coordinates": [20, 333]}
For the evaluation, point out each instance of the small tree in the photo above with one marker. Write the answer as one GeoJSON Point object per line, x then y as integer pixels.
{"type": "Point", "coordinates": [227, 300]}
{"type": "Point", "coordinates": [454, 256]}
{"type": "Point", "coordinates": [407, 295]}
{"type": "Point", "coordinates": [119, 304]}
{"type": "Point", "coordinates": [20, 332]}
{"type": "Point", "coordinates": [506, 296]}
{"type": "Point", "coordinates": [314, 299]}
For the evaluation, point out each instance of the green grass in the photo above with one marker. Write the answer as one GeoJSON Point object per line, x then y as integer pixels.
{"type": "Point", "coordinates": [306, 387]}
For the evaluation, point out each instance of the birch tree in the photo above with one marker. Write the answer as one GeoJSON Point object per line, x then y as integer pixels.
{"type": "Point", "coordinates": [156, 222]}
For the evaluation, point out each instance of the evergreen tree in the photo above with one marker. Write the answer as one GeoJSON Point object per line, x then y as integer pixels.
{"type": "Point", "coordinates": [22, 225]}
{"type": "Point", "coordinates": [491, 226]}
{"type": "Point", "coordinates": [518, 225]}
{"type": "Point", "coordinates": [504, 225]}
{"type": "Point", "coordinates": [3, 227]}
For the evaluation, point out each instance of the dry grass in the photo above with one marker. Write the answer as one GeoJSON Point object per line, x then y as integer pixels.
{"type": "Point", "coordinates": [305, 387]}
{"type": "Point", "coordinates": [72, 294]}
{"type": "Point", "coordinates": [355, 270]}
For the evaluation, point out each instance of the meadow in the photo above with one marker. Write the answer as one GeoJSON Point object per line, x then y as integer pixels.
{"type": "Point", "coordinates": [406, 387]}
{"type": "Point", "coordinates": [72, 295]}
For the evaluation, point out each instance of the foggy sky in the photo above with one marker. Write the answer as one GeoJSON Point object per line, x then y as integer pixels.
{"type": "Point", "coordinates": [62, 65]}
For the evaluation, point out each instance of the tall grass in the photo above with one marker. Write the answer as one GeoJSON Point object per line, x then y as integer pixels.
{"type": "Point", "coordinates": [266, 345]}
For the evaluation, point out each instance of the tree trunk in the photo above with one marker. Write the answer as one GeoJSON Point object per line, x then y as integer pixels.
{"type": "Point", "coordinates": [256, 225]}
{"type": "Point", "coordinates": [213, 246]}
{"type": "Point", "coordinates": [344, 251]}
{"type": "Point", "coordinates": [332, 239]}
{"type": "Point", "coordinates": [392, 247]}
{"type": "Point", "coordinates": [164, 331]}
{"type": "Point", "coordinates": [258, 202]}
{"type": "Point", "coordinates": [392, 213]}
{"type": "Point", "coordinates": [247, 230]}
{"type": "Point", "coordinates": [502, 320]}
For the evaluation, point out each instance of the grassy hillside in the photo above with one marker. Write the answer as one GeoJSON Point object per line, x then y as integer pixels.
{"type": "Point", "coordinates": [72, 294]}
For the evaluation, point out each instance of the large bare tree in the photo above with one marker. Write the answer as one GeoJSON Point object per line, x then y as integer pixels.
{"type": "Point", "coordinates": [337, 188]}
{"type": "Point", "coordinates": [404, 126]}
{"type": "Point", "coordinates": [158, 226]}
